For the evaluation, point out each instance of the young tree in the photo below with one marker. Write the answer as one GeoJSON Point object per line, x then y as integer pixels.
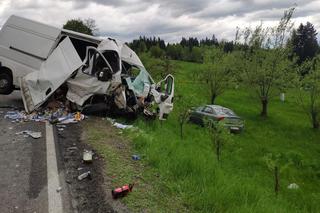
{"type": "Point", "coordinates": [265, 64]}
{"type": "Point", "coordinates": [279, 163]}
{"type": "Point", "coordinates": [184, 112]}
{"type": "Point", "coordinates": [218, 72]}
{"type": "Point", "coordinates": [87, 26]}
{"type": "Point", "coordinates": [219, 135]}
{"type": "Point", "coordinates": [311, 87]}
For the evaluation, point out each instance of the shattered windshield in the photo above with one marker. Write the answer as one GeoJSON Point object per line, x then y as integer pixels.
{"type": "Point", "coordinates": [140, 84]}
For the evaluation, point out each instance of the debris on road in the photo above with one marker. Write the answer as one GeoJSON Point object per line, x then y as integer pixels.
{"type": "Point", "coordinates": [87, 156]}
{"type": "Point", "coordinates": [135, 157]}
{"type": "Point", "coordinates": [59, 189]}
{"type": "Point", "coordinates": [33, 134]}
{"type": "Point", "coordinates": [72, 148]}
{"type": "Point", "coordinates": [85, 175]}
{"type": "Point", "coordinates": [121, 191]}
{"type": "Point", "coordinates": [56, 116]}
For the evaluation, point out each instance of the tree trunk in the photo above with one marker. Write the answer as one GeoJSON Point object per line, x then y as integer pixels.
{"type": "Point", "coordinates": [213, 98]}
{"type": "Point", "coordinates": [315, 122]}
{"type": "Point", "coordinates": [264, 112]}
{"type": "Point", "coordinates": [276, 180]}
{"type": "Point", "coordinates": [218, 149]}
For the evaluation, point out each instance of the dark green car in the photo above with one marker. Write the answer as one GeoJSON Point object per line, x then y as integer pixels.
{"type": "Point", "coordinates": [217, 113]}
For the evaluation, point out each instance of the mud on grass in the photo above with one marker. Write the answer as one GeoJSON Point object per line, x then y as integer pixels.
{"type": "Point", "coordinates": [150, 193]}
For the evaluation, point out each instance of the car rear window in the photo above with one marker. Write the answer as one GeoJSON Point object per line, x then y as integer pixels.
{"type": "Point", "coordinates": [223, 111]}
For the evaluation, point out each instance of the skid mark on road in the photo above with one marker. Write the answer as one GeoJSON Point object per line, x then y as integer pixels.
{"type": "Point", "coordinates": [54, 197]}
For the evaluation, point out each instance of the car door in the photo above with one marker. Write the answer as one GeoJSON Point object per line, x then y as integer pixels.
{"type": "Point", "coordinates": [207, 113]}
{"type": "Point", "coordinates": [38, 86]}
{"type": "Point", "coordinates": [166, 94]}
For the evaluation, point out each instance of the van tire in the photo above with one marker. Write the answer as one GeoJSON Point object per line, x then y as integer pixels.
{"type": "Point", "coordinates": [6, 86]}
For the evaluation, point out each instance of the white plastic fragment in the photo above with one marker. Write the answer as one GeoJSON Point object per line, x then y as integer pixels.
{"type": "Point", "coordinates": [27, 133]}
{"type": "Point", "coordinates": [122, 126]}
{"type": "Point", "coordinates": [87, 156]}
{"type": "Point", "coordinates": [293, 186]}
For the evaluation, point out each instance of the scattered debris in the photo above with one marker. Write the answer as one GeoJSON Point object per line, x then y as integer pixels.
{"type": "Point", "coordinates": [27, 133]}
{"type": "Point", "coordinates": [121, 191]}
{"type": "Point", "coordinates": [87, 156]}
{"type": "Point", "coordinates": [85, 175]}
{"type": "Point", "coordinates": [61, 126]}
{"type": "Point", "coordinates": [72, 148]}
{"type": "Point", "coordinates": [59, 189]}
{"type": "Point", "coordinates": [60, 115]}
{"type": "Point", "coordinates": [135, 157]}
{"type": "Point", "coordinates": [293, 186]}
{"type": "Point", "coordinates": [122, 126]}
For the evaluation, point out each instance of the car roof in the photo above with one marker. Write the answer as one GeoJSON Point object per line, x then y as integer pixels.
{"type": "Point", "coordinates": [220, 108]}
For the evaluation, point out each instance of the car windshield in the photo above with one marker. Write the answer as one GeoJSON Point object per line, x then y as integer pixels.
{"type": "Point", "coordinates": [224, 111]}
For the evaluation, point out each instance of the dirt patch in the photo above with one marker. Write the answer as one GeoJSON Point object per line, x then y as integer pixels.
{"type": "Point", "coordinates": [88, 195]}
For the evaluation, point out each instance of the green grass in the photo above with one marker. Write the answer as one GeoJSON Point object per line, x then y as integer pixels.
{"type": "Point", "coordinates": [241, 182]}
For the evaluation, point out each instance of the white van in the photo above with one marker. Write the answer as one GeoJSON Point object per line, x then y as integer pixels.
{"type": "Point", "coordinates": [38, 59]}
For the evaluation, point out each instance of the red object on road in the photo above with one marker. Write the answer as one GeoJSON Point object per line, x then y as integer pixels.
{"type": "Point", "coordinates": [121, 191]}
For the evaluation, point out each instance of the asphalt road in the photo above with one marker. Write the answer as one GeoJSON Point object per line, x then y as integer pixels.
{"type": "Point", "coordinates": [23, 167]}
{"type": "Point", "coordinates": [41, 175]}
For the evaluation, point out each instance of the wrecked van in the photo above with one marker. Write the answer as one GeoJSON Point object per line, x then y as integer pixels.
{"type": "Point", "coordinates": [40, 59]}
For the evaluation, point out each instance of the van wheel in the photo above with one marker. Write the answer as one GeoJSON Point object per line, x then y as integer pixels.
{"type": "Point", "coordinates": [6, 86]}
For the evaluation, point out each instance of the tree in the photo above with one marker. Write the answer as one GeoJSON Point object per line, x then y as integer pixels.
{"type": "Point", "coordinates": [265, 64]}
{"type": "Point", "coordinates": [279, 163]}
{"type": "Point", "coordinates": [156, 52]}
{"type": "Point", "coordinates": [304, 43]}
{"type": "Point", "coordinates": [219, 136]}
{"type": "Point", "coordinates": [87, 26]}
{"type": "Point", "coordinates": [311, 87]}
{"type": "Point", "coordinates": [218, 72]}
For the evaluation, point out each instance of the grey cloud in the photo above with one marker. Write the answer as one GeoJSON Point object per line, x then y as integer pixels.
{"type": "Point", "coordinates": [244, 7]}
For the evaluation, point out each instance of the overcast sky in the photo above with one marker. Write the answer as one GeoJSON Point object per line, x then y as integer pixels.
{"type": "Point", "coordinates": [169, 19]}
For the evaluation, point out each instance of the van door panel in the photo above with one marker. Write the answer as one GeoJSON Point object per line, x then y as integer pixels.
{"type": "Point", "coordinates": [37, 87]}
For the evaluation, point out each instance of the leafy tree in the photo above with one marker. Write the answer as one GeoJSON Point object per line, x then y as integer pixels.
{"type": "Point", "coordinates": [304, 43]}
{"type": "Point", "coordinates": [265, 64]}
{"type": "Point", "coordinates": [156, 52]}
{"type": "Point", "coordinates": [174, 51]}
{"type": "Point", "coordinates": [217, 72]}
{"type": "Point", "coordinates": [196, 55]}
{"type": "Point", "coordinates": [87, 26]}
{"type": "Point", "coordinates": [311, 87]}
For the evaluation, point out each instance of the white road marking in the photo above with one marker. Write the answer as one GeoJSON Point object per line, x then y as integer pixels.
{"type": "Point", "coordinates": [54, 198]}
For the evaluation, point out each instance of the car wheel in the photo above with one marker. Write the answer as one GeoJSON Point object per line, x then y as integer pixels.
{"type": "Point", "coordinates": [6, 86]}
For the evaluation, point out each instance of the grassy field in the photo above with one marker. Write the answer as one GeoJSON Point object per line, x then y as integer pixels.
{"type": "Point", "coordinates": [241, 182]}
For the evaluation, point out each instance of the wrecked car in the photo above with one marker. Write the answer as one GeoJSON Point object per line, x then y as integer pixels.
{"type": "Point", "coordinates": [42, 60]}
{"type": "Point", "coordinates": [216, 113]}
